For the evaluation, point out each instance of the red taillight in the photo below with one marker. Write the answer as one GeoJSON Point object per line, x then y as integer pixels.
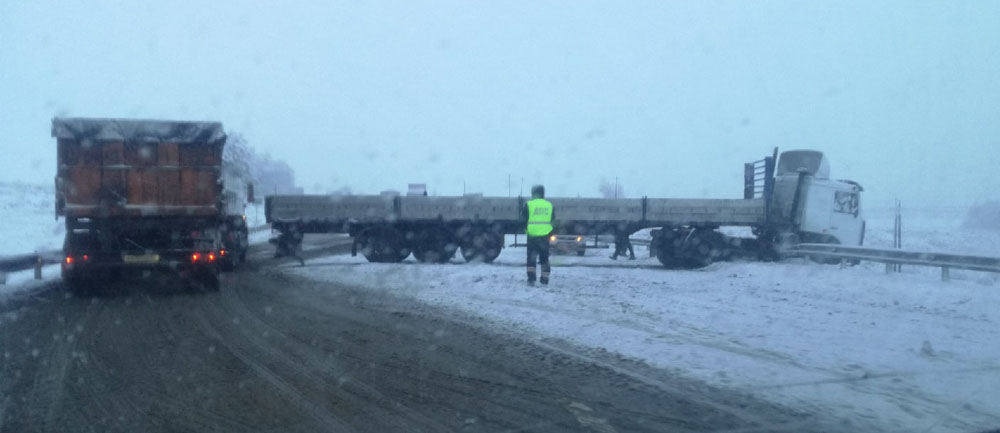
{"type": "Point", "coordinates": [69, 260]}
{"type": "Point", "coordinates": [222, 252]}
{"type": "Point", "coordinates": [86, 257]}
{"type": "Point", "coordinates": [211, 257]}
{"type": "Point", "coordinates": [195, 257]}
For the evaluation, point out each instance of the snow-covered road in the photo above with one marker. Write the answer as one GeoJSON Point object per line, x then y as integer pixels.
{"type": "Point", "coordinates": [900, 352]}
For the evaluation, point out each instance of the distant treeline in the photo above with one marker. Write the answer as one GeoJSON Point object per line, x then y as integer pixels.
{"type": "Point", "coordinates": [983, 216]}
{"type": "Point", "coordinates": [242, 164]}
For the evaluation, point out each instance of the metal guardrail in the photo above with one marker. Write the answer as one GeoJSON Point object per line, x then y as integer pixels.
{"type": "Point", "coordinates": [27, 261]}
{"type": "Point", "coordinates": [23, 262]}
{"type": "Point", "coordinates": [18, 263]}
{"type": "Point", "coordinates": [945, 261]}
{"type": "Point", "coordinates": [640, 242]}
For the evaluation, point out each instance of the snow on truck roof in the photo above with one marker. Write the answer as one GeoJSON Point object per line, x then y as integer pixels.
{"type": "Point", "coordinates": [77, 128]}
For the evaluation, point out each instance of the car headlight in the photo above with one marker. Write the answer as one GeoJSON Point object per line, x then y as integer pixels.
{"type": "Point", "coordinates": [552, 239]}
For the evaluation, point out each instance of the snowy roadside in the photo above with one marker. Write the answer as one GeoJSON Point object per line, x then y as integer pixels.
{"type": "Point", "coordinates": [28, 216]}
{"type": "Point", "coordinates": [27, 211]}
{"type": "Point", "coordinates": [29, 223]}
{"type": "Point", "coordinates": [899, 352]}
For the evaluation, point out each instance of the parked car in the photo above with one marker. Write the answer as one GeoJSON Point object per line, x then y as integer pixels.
{"type": "Point", "coordinates": [567, 244]}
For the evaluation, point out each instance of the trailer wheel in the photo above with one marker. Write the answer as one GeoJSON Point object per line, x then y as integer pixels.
{"type": "Point", "coordinates": [435, 245]}
{"type": "Point", "coordinates": [383, 245]}
{"type": "Point", "coordinates": [690, 248]}
{"type": "Point", "coordinates": [484, 247]}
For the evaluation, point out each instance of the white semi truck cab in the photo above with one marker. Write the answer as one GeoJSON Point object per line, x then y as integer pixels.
{"type": "Point", "coordinates": [812, 207]}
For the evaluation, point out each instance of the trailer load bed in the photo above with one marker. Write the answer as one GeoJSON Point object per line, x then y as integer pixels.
{"type": "Point", "coordinates": [333, 213]}
{"type": "Point", "coordinates": [801, 202]}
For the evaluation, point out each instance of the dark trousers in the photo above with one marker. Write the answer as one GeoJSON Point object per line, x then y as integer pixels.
{"type": "Point", "coordinates": [623, 245]}
{"type": "Point", "coordinates": [538, 249]}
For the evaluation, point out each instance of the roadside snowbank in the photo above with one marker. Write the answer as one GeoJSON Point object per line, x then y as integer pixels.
{"type": "Point", "coordinates": [29, 224]}
{"type": "Point", "coordinates": [24, 282]}
{"type": "Point", "coordinates": [897, 352]}
{"type": "Point", "coordinates": [28, 215]}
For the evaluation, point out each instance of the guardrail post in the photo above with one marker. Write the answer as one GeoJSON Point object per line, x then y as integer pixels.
{"type": "Point", "coordinates": [888, 268]}
{"type": "Point", "coordinates": [3, 278]}
{"type": "Point", "coordinates": [945, 273]}
{"type": "Point", "coordinates": [843, 263]}
{"type": "Point", "coordinates": [38, 268]}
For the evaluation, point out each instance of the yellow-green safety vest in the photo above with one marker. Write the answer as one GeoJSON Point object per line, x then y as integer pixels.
{"type": "Point", "coordinates": [539, 217]}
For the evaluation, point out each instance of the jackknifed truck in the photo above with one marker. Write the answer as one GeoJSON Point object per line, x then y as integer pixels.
{"type": "Point", "coordinates": [145, 195]}
{"type": "Point", "coordinates": [786, 201]}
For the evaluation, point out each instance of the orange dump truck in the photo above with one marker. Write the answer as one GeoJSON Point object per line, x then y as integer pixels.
{"type": "Point", "coordinates": [145, 195]}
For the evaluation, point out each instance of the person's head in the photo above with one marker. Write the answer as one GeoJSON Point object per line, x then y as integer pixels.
{"type": "Point", "coordinates": [538, 191]}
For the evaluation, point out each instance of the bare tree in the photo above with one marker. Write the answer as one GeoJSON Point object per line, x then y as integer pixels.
{"type": "Point", "coordinates": [242, 165]}
{"type": "Point", "coordinates": [238, 159]}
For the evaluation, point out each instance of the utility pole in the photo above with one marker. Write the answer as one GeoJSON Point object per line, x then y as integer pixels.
{"type": "Point", "coordinates": [616, 186]}
{"type": "Point", "coordinates": [508, 184]}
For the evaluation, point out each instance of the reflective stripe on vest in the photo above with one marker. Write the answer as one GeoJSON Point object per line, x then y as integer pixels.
{"type": "Point", "coordinates": [539, 217]}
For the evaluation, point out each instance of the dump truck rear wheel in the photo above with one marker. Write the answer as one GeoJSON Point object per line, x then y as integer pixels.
{"type": "Point", "coordinates": [211, 281]}
{"type": "Point", "coordinates": [78, 286]}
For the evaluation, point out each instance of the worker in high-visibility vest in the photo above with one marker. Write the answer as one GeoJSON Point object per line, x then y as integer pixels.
{"type": "Point", "coordinates": [538, 215]}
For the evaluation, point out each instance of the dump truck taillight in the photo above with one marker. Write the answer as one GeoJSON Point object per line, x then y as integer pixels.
{"type": "Point", "coordinates": [86, 257]}
{"type": "Point", "coordinates": [211, 257]}
{"type": "Point", "coordinates": [222, 253]}
{"type": "Point", "coordinates": [69, 260]}
{"type": "Point", "coordinates": [195, 257]}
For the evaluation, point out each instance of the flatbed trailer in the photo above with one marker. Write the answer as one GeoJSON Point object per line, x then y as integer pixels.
{"type": "Point", "coordinates": [387, 228]}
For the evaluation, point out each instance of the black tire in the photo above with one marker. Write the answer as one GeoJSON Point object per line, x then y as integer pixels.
{"type": "Point", "coordinates": [210, 280]}
{"type": "Point", "coordinates": [78, 286]}
{"type": "Point", "coordinates": [434, 245]}
{"type": "Point", "coordinates": [690, 249]}
{"type": "Point", "coordinates": [482, 247]}
{"type": "Point", "coordinates": [384, 245]}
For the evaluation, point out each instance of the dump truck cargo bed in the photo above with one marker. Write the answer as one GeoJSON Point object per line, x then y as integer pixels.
{"type": "Point", "coordinates": [118, 167]}
{"type": "Point", "coordinates": [145, 195]}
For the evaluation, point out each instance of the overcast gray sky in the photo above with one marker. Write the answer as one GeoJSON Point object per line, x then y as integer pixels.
{"type": "Point", "coordinates": [670, 97]}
